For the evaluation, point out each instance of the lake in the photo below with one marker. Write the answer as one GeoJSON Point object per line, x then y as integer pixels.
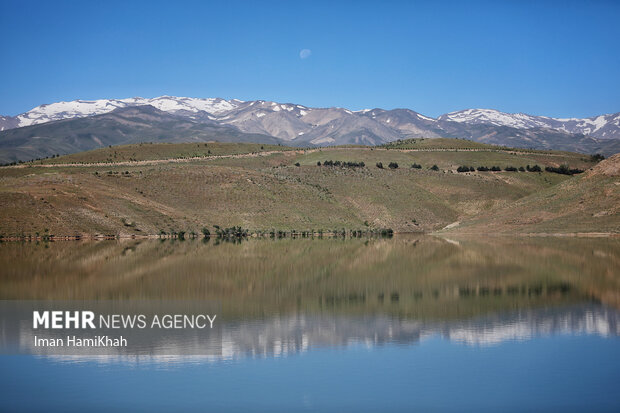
{"type": "Point", "coordinates": [407, 323]}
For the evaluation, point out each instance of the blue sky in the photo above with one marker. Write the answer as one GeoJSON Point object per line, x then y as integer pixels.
{"type": "Point", "coordinates": [547, 58]}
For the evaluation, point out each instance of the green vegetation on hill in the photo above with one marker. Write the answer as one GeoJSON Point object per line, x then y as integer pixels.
{"type": "Point", "coordinates": [458, 144]}
{"type": "Point", "coordinates": [145, 189]}
{"type": "Point", "coordinates": [159, 151]}
{"type": "Point", "coordinates": [440, 143]}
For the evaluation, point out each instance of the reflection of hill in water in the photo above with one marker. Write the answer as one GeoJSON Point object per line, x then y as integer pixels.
{"type": "Point", "coordinates": [409, 277]}
{"type": "Point", "coordinates": [284, 335]}
{"type": "Point", "coordinates": [289, 296]}
{"type": "Point", "coordinates": [298, 333]}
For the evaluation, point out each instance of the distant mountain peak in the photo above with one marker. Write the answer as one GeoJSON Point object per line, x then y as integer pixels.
{"type": "Point", "coordinates": [82, 108]}
{"type": "Point", "coordinates": [602, 126]}
{"type": "Point", "coordinates": [302, 125]}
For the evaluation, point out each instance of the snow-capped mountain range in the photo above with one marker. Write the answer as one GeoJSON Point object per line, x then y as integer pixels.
{"type": "Point", "coordinates": [603, 126]}
{"type": "Point", "coordinates": [82, 108]}
{"type": "Point", "coordinates": [291, 124]}
{"type": "Point", "coordinates": [232, 111]}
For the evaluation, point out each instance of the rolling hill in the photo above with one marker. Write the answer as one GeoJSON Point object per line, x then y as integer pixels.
{"type": "Point", "coordinates": [143, 189]}
{"type": "Point", "coordinates": [589, 203]}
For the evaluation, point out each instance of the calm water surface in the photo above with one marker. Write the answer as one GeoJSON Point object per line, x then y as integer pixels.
{"type": "Point", "coordinates": [409, 323]}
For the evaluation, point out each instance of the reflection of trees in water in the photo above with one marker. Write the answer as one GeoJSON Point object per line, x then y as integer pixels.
{"type": "Point", "coordinates": [551, 290]}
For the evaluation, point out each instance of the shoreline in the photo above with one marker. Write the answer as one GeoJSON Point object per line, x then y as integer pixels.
{"type": "Point", "coordinates": [98, 237]}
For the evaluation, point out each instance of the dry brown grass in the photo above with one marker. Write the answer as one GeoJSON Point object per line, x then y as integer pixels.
{"type": "Point", "coordinates": [260, 191]}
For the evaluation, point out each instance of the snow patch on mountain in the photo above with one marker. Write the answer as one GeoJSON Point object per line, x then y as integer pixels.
{"type": "Point", "coordinates": [495, 117]}
{"type": "Point", "coordinates": [603, 126]}
{"type": "Point", "coordinates": [83, 108]}
{"type": "Point", "coordinates": [425, 117]}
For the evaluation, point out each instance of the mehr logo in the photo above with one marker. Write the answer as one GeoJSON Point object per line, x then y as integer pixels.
{"type": "Point", "coordinates": [63, 319]}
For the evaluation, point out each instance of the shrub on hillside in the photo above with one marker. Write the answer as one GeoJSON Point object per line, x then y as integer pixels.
{"type": "Point", "coordinates": [564, 170]}
{"type": "Point", "coordinates": [343, 164]}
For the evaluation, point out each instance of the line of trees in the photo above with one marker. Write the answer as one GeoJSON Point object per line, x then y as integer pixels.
{"type": "Point", "coordinates": [342, 164]}
{"type": "Point", "coordinates": [562, 169]}
{"type": "Point", "coordinates": [528, 168]}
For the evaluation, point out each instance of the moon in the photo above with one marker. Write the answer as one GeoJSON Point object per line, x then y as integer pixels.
{"type": "Point", "coordinates": [305, 53]}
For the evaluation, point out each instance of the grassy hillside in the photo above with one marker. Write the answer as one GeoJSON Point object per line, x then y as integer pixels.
{"type": "Point", "coordinates": [144, 189]}
{"type": "Point", "coordinates": [587, 203]}
{"type": "Point", "coordinates": [445, 143]}
{"type": "Point", "coordinates": [160, 151]}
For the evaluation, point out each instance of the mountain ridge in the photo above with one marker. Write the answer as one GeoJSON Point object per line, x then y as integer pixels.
{"type": "Point", "coordinates": [594, 125]}
{"type": "Point", "coordinates": [133, 124]}
{"type": "Point", "coordinates": [295, 125]}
